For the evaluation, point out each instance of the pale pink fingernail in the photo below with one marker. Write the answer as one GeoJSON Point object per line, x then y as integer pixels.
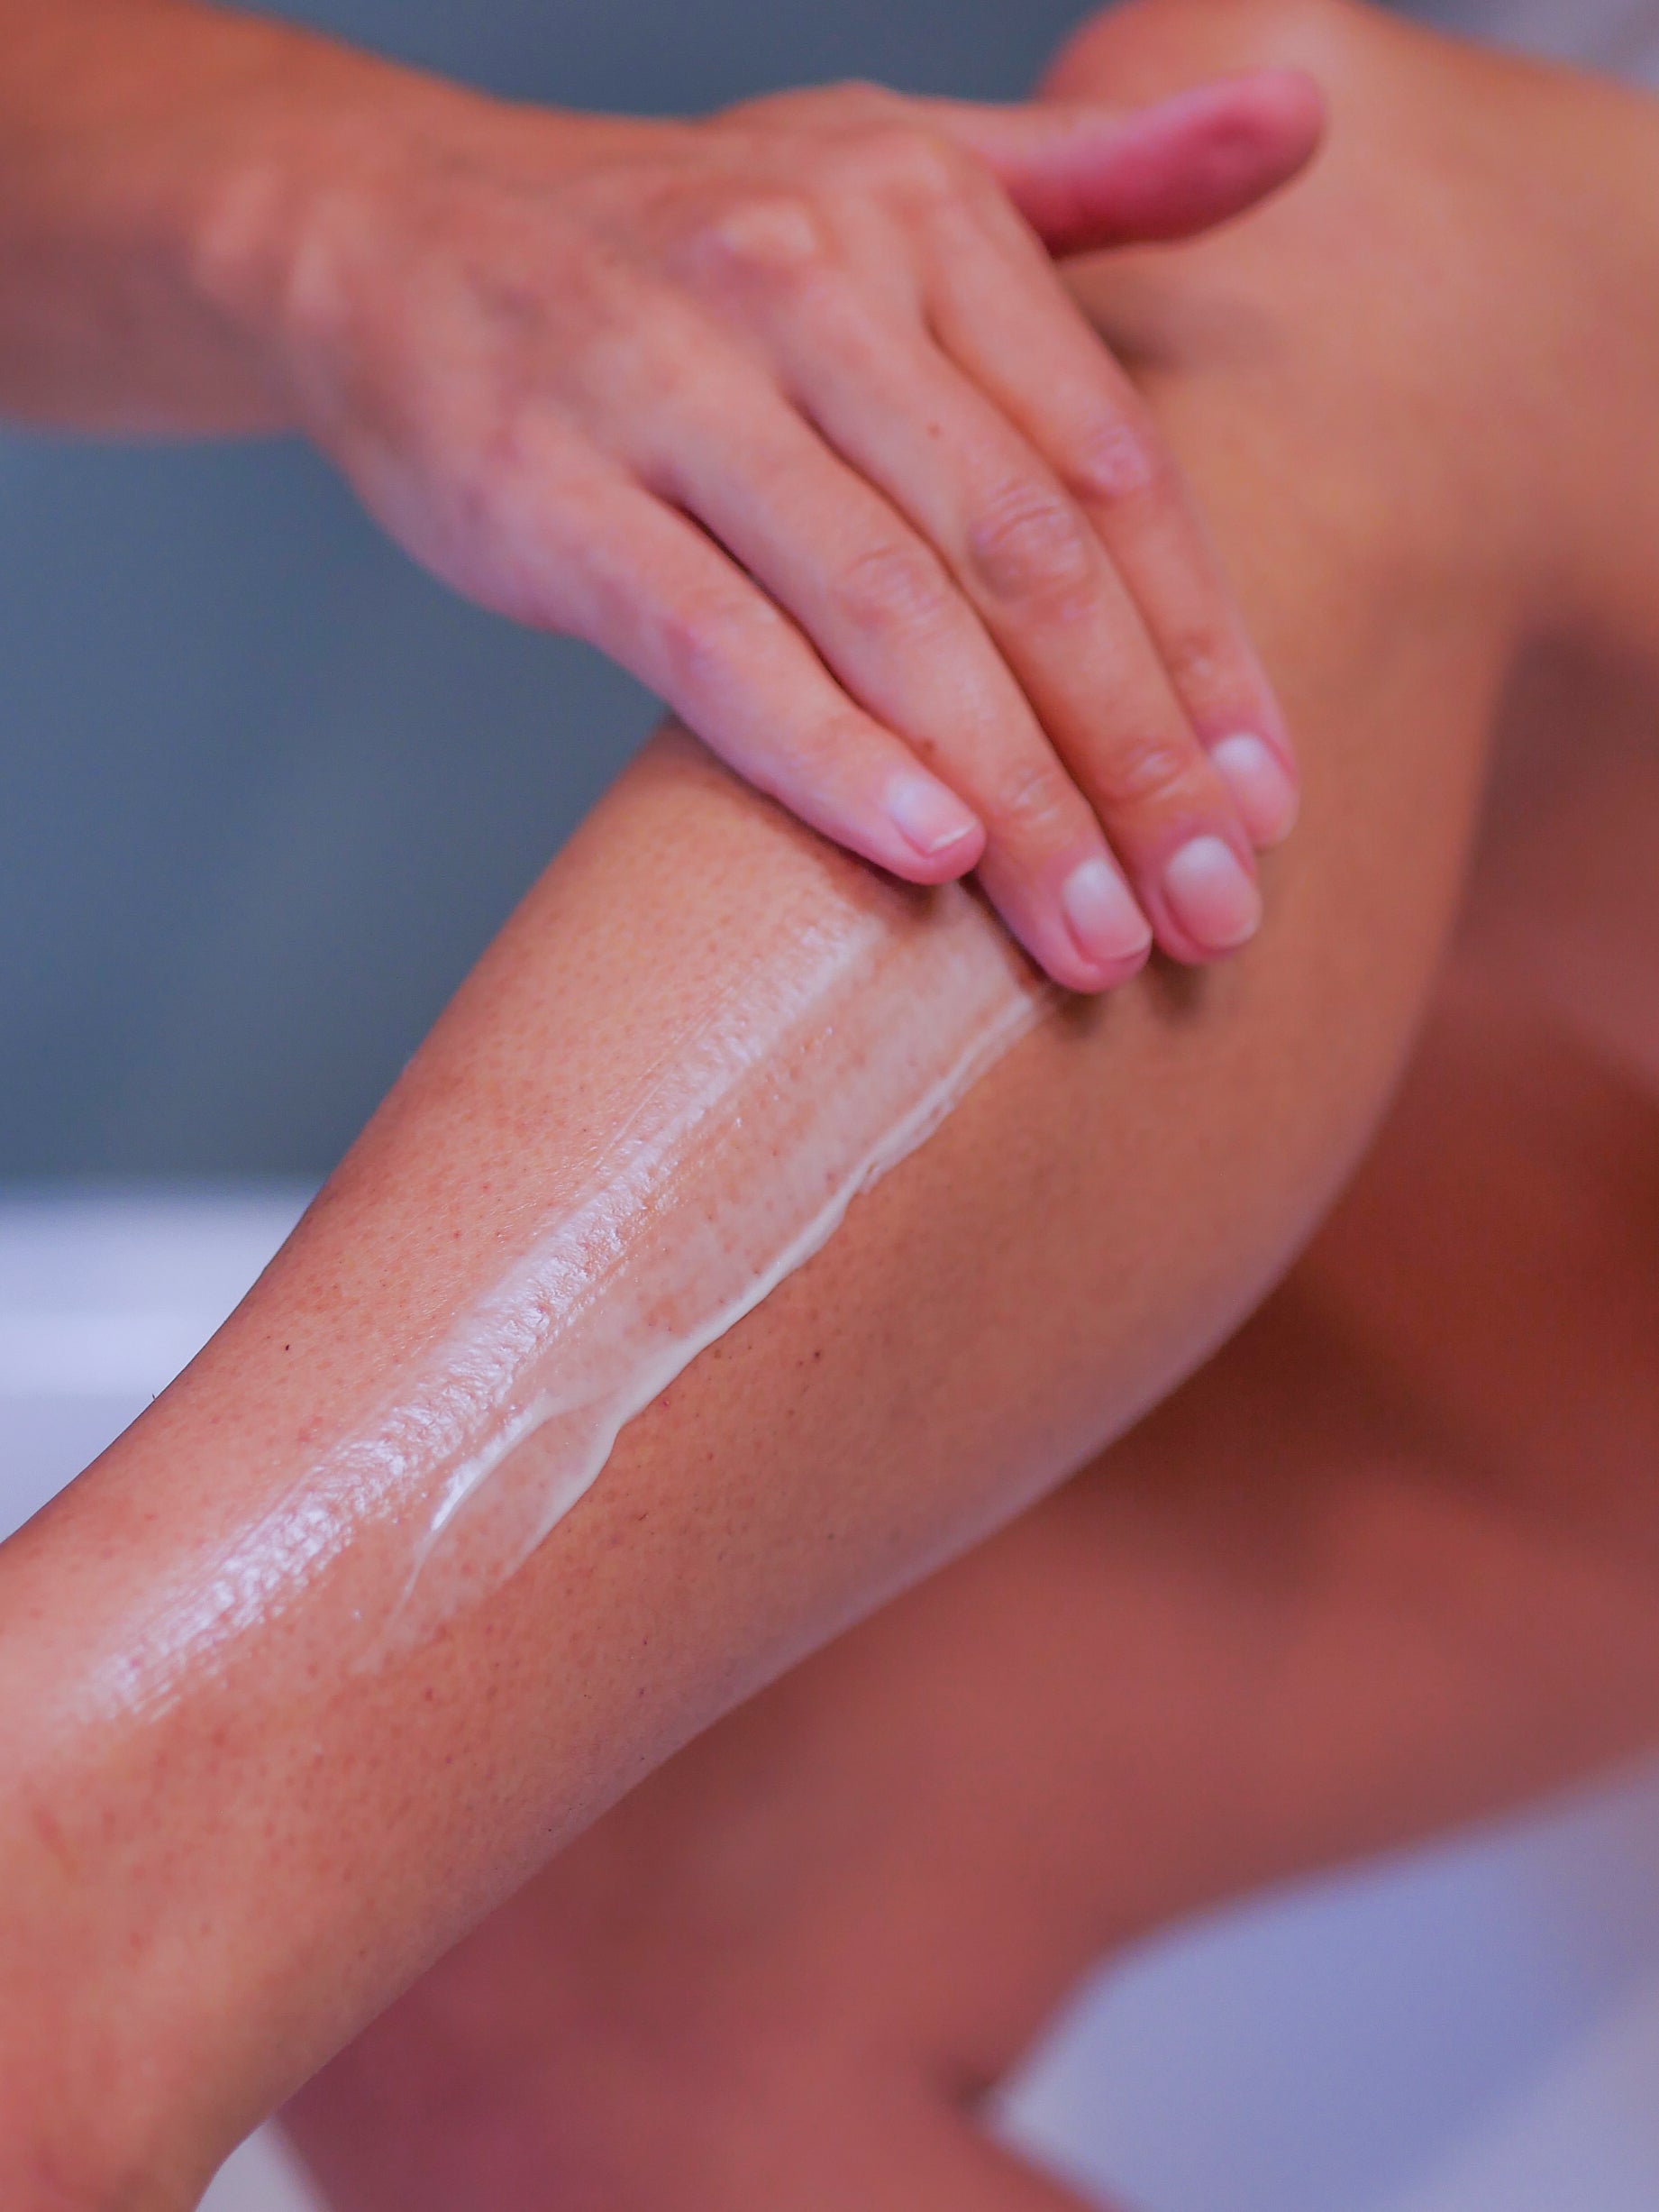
{"type": "Point", "coordinates": [1101, 912]}
{"type": "Point", "coordinates": [1212, 894]}
{"type": "Point", "coordinates": [927, 816]}
{"type": "Point", "coordinates": [1261, 785]}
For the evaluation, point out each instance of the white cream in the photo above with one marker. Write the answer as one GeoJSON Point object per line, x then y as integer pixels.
{"type": "Point", "coordinates": [831, 1055]}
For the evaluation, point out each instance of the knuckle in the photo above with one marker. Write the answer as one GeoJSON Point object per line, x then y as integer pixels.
{"type": "Point", "coordinates": [1195, 660]}
{"type": "Point", "coordinates": [1033, 801]}
{"type": "Point", "coordinates": [893, 587]}
{"type": "Point", "coordinates": [856, 103]}
{"type": "Point", "coordinates": [529, 482]}
{"type": "Point", "coordinates": [903, 159]}
{"type": "Point", "coordinates": [773, 237]}
{"type": "Point", "coordinates": [1139, 769]}
{"type": "Point", "coordinates": [1029, 544]}
{"type": "Point", "coordinates": [705, 636]}
{"type": "Point", "coordinates": [1119, 459]}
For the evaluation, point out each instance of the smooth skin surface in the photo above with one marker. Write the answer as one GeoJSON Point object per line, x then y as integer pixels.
{"type": "Point", "coordinates": [1349, 1586]}
{"type": "Point", "coordinates": [785, 408]}
{"type": "Point", "coordinates": [1391, 1562]}
{"type": "Point", "coordinates": [202, 1908]}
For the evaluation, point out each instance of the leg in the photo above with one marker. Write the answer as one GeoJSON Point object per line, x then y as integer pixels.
{"type": "Point", "coordinates": [1363, 1578]}
{"type": "Point", "coordinates": [1389, 1563]}
{"type": "Point", "coordinates": [1294, 1617]}
{"type": "Point", "coordinates": [1137, 1174]}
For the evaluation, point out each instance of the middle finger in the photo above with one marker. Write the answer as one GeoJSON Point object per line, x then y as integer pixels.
{"type": "Point", "coordinates": [1027, 560]}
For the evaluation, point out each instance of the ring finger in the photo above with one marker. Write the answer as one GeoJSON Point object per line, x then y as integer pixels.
{"type": "Point", "coordinates": [1028, 562]}
{"type": "Point", "coordinates": [995, 309]}
{"type": "Point", "coordinates": [894, 627]}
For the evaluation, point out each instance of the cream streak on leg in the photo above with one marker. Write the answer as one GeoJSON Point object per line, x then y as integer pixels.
{"type": "Point", "coordinates": [864, 1017]}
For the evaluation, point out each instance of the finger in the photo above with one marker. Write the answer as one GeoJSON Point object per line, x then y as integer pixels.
{"type": "Point", "coordinates": [653, 592]}
{"type": "Point", "coordinates": [899, 633]}
{"type": "Point", "coordinates": [996, 313]}
{"type": "Point", "coordinates": [1085, 176]}
{"type": "Point", "coordinates": [1025, 558]}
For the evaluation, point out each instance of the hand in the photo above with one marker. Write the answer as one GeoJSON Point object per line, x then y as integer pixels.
{"type": "Point", "coordinates": [789, 413]}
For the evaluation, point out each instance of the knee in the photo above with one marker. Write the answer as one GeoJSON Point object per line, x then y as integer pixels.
{"type": "Point", "coordinates": [1142, 50]}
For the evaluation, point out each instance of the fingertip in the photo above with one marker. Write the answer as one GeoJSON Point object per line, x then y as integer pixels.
{"type": "Point", "coordinates": [1211, 894]}
{"type": "Point", "coordinates": [1297, 102]}
{"type": "Point", "coordinates": [1108, 928]}
{"type": "Point", "coordinates": [1286, 113]}
{"type": "Point", "coordinates": [1215, 150]}
{"type": "Point", "coordinates": [1241, 137]}
{"type": "Point", "coordinates": [1090, 978]}
{"type": "Point", "coordinates": [1261, 786]}
{"type": "Point", "coordinates": [926, 872]}
{"type": "Point", "coordinates": [1089, 933]}
{"type": "Point", "coordinates": [942, 837]}
{"type": "Point", "coordinates": [1094, 981]}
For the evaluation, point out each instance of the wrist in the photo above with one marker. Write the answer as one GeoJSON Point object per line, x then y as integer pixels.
{"type": "Point", "coordinates": [310, 242]}
{"type": "Point", "coordinates": [303, 169]}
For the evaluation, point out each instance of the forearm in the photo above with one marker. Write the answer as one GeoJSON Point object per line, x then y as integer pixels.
{"type": "Point", "coordinates": [129, 131]}
{"type": "Point", "coordinates": [163, 169]}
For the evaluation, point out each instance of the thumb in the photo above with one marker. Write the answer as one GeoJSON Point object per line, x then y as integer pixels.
{"type": "Point", "coordinates": [1088, 176]}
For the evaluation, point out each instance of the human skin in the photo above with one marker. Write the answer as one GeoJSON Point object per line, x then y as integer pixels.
{"type": "Point", "coordinates": [1363, 1578]}
{"type": "Point", "coordinates": [1390, 1563]}
{"type": "Point", "coordinates": [202, 1905]}
{"type": "Point", "coordinates": [785, 408]}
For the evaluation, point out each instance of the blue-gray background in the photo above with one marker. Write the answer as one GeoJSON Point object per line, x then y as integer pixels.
{"type": "Point", "coordinates": [265, 790]}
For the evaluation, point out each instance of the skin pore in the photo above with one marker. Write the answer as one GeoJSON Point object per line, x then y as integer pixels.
{"type": "Point", "coordinates": [287, 1846]}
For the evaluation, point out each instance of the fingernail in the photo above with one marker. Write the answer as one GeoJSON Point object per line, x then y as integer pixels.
{"type": "Point", "coordinates": [1101, 912]}
{"type": "Point", "coordinates": [1213, 897]}
{"type": "Point", "coordinates": [928, 817]}
{"type": "Point", "coordinates": [1261, 785]}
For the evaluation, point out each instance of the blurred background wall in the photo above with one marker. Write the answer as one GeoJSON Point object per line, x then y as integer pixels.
{"type": "Point", "coordinates": [265, 790]}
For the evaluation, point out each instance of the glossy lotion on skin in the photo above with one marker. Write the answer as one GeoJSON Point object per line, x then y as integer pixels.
{"type": "Point", "coordinates": [837, 1050]}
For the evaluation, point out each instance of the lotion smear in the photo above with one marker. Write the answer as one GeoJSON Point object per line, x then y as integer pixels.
{"type": "Point", "coordinates": [833, 1052]}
